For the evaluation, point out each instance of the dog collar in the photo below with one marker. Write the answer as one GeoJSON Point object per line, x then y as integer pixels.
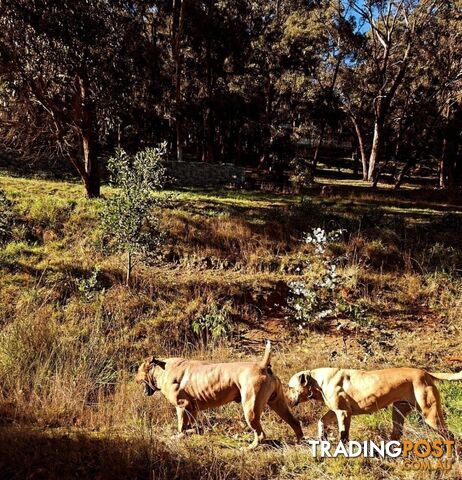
{"type": "Point", "coordinates": [150, 385]}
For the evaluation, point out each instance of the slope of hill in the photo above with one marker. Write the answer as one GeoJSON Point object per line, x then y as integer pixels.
{"type": "Point", "coordinates": [72, 333]}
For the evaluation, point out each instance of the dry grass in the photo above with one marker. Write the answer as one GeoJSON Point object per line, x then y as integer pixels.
{"type": "Point", "coordinates": [68, 349]}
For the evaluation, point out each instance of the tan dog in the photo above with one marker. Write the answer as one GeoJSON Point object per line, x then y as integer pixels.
{"type": "Point", "coordinates": [192, 385]}
{"type": "Point", "coordinates": [356, 392]}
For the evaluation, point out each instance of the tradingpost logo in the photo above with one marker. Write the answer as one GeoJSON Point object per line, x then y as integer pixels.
{"type": "Point", "coordinates": [417, 455]}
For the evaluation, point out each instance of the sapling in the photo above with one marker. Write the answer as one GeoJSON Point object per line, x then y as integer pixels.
{"type": "Point", "coordinates": [129, 216]}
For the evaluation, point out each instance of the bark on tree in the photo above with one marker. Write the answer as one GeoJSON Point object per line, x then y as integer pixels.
{"type": "Point", "coordinates": [382, 106]}
{"type": "Point", "coordinates": [403, 173]}
{"type": "Point", "coordinates": [384, 43]}
{"type": "Point", "coordinates": [375, 149]}
{"type": "Point", "coordinates": [447, 159]}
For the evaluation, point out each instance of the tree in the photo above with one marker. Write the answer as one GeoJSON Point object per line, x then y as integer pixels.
{"type": "Point", "coordinates": [258, 83]}
{"type": "Point", "coordinates": [69, 70]}
{"type": "Point", "coordinates": [128, 217]}
{"type": "Point", "coordinates": [178, 21]}
{"type": "Point", "coordinates": [392, 30]}
{"type": "Point", "coordinates": [447, 55]}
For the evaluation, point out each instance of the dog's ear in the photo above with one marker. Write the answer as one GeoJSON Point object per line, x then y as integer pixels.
{"type": "Point", "coordinates": [303, 379]}
{"type": "Point", "coordinates": [154, 361]}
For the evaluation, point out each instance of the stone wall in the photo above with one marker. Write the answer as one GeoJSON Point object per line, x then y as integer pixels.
{"type": "Point", "coordinates": [201, 174]}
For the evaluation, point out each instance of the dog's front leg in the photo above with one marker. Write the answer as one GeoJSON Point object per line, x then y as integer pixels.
{"type": "Point", "coordinates": [182, 420]}
{"type": "Point", "coordinates": [344, 421]}
{"type": "Point", "coordinates": [279, 405]}
{"type": "Point", "coordinates": [323, 423]}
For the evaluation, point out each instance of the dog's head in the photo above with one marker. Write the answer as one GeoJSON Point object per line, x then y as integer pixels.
{"type": "Point", "coordinates": [148, 373]}
{"type": "Point", "coordinates": [302, 387]}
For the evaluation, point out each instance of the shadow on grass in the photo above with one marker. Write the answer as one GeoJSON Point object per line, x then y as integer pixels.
{"type": "Point", "coordinates": [33, 454]}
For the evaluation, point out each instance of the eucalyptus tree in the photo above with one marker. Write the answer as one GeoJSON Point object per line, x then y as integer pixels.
{"type": "Point", "coordinates": [69, 71]}
{"type": "Point", "coordinates": [392, 30]}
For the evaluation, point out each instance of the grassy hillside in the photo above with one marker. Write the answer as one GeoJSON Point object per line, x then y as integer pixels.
{"type": "Point", "coordinates": [72, 334]}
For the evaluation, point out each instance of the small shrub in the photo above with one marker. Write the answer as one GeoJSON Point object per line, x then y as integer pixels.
{"type": "Point", "coordinates": [214, 323]}
{"type": "Point", "coordinates": [372, 218]}
{"type": "Point", "coordinates": [302, 174]}
{"type": "Point", "coordinates": [89, 286]}
{"type": "Point", "coordinates": [308, 209]}
{"type": "Point", "coordinates": [448, 222]}
{"type": "Point", "coordinates": [357, 312]}
{"type": "Point", "coordinates": [441, 258]}
{"type": "Point", "coordinates": [128, 217]}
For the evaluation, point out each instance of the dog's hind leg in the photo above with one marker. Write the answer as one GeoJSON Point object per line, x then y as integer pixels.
{"type": "Point", "coordinates": [253, 408]}
{"type": "Point", "coordinates": [400, 410]}
{"type": "Point", "coordinates": [279, 406]}
{"type": "Point", "coordinates": [429, 403]}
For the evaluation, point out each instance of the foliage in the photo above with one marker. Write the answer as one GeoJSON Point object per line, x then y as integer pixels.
{"type": "Point", "coordinates": [88, 286]}
{"type": "Point", "coordinates": [301, 175]}
{"type": "Point", "coordinates": [214, 323]}
{"type": "Point", "coordinates": [128, 217]}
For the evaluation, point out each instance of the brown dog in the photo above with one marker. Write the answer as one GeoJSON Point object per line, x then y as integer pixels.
{"type": "Point", "coordinates": [192, 385]}
{"type": "Point", "coordinates": [355, 392]}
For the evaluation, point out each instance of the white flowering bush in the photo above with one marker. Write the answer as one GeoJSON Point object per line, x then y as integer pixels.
{"type": "Point", "coordinates": [320, 238]}
{"type": "Point", "coordinates": [309, 304]}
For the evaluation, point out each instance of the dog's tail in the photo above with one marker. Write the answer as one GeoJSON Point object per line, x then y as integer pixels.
{"type": "Point", "coordinates": [265, 361]}
{"type": "Point", "coordinates": [452, 377]}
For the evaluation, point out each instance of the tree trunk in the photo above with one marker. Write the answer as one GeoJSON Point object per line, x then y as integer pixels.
{"type": "Point", "coordinates": [129, 268]}
{"type": "Point", "coordinates": [90, 160]}
{"type": "Point", "coordinates": [238, 144]}
{"type": "Point", "coordinates": [443, 165]}
{"type": "Point", "coordinates": [177, 54]}
{"type": "Point", "coordinates": [92, 183]}
{"type": "Point", "coordinates": [84, 114]}
{"type": "Point", "coordinates": [266, 131]}
{"type": "Point", "coordinates": [208, 153]}
{"type": "Point", "coordinates": [447, 159]}
{"type": "Point", "coordinates": [314, 163]}
{"type": "Point", "coordinates": [361, 146]}
{"type": "Point", "coordinates": [403, 173]}
{"type": "Point", "coordinates": [372, 174]}
{"type": "Point", "coordinates": [381, 107]}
